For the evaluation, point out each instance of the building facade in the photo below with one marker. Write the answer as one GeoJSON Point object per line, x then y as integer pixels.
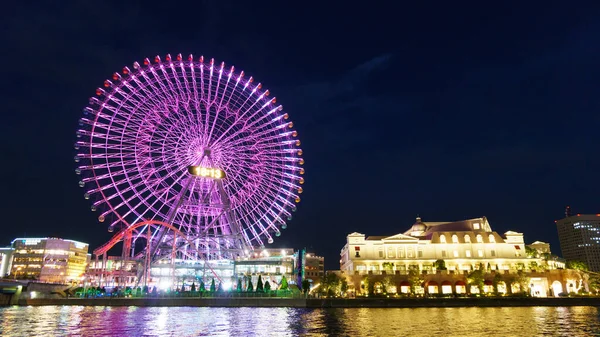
{"type": "Point", "coordinates": [579, 237]}
{"type": "Point", "coordinates": [271, 264]}
{"type": "Point", "coordinates": [461, 245]}
{"type": "Point", "coordinates": [51, 260]}
{"type": "Point", "coordinates": [6, 255]}
{"type": "Point", "coordinates": [443, 254]}
{"type": "Point", "coordinates": [314, 268]}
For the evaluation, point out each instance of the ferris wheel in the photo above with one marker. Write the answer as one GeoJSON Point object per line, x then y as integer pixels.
{"type": "Point", "coordinates": [195, 145]}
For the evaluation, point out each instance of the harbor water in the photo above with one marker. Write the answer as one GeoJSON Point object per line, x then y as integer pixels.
{"type": "Point", "coordinates": [203, 321]}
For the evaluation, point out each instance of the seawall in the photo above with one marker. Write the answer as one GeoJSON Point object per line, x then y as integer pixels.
{"type": "Point", "coordinates": [318, 303]}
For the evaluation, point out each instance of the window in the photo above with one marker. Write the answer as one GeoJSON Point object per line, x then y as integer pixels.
{"type": "Point", "coordinates": [480, 252]}
{"type": "Point", "coordinates": [456, 253]}
{"type": "Point", "coordinates": [479, 238]}
{"type": "Point", "coordinates": [467, 239]}
{"type": "Point", "coordinates": [420, 253]}
{"type": "Point", "coordinates": [492, 238]}
{"type": "Point", "coordinates": [391, 252]}
{"type": "Point", "coordinates": [442, 238]}
{"type": "Point", "coordinates": [443, 253]}
{"type": "Point", "coordinates": [454, 238]}
{"type": "Point", "coordinates": [476, 226]}
{"type": "Point", "coordinates": [468, 253]}
{"type": "Point", "coordinates": [401, 252]}
{"type": "Point", "coordinates": [493, 253]}
{"type": "Point", "coordinates": [381, 253]}
{"type": "Point", "coordinates": [410, 253]}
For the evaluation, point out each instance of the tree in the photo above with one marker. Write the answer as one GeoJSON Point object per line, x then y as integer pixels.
{"type": "Point", "coordinates": [284, 284]}
{"type": "Point", "coordinates": [239, 285]}
{"type": "Point", "coordinates": [523, 281]}
{"type": "Point", "coordinates": [344, 285]}
{"type": "Point", "coordinates": [154, 291]}
{"type": "Point", "coordinates": [193, 288]}
{"type": "Point", "coordinates": [202, 287]}
{"type": "Point", "coordinates": [577, 265]}
{"type": "Point", "coordinates": [220, 287]}
{"type": "Point", "coordinates": [594, 284]}
{"type": "Point", "coordinates": [440, 264]}
{"type": "Point", "coordinates": [305, 286]}
{"type": "Point", "coordinates": [497, 279]}
{"type": "Point", "coordinates": [250, 286]}
{"type": "Point", "coordinates": [415, 279]}
{"type": "Point", "coordinates": [388, 266]}
{"type": "Point", "coordinates": [531, 252]}
{"type": "Point", "coordinates": [533, 265]}
{"type": "Point", "coordinates": [259, 285]}
{"type": "Point", "coordinates": [330, 285]}
{"type": "Point", "coordinates": [267, 286]}
{"type": "Point", "coordinates": [145, 290]}
{"type": "Point", "coordinates": [212, 286]}
{"type": "Point", "coordinates": [387, 282]}
{"type": "Point", "coordinates": [475, 278]}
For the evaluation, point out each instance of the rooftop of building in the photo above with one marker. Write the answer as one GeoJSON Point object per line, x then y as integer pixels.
{"type": "Point", "coordinates": [433, 230]}
{"type": "Point", "coordinates": [33, 241]}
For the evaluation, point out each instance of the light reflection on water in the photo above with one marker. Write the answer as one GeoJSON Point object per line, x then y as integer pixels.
{"type": "Point", "coordinates": [190, 321]}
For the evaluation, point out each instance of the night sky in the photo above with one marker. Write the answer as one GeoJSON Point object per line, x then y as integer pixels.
{"type": "Point", "coordinates": [446, 112]}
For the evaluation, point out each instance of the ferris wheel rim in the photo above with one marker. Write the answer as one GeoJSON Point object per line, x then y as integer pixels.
{"type": "Point", "coordinates": [289, 179]}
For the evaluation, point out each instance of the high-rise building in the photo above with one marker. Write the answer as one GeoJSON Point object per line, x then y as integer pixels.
{"type": "Point", "coordinates": [51, 260]}
{"type": "Point", "coordinates": [579, 237]}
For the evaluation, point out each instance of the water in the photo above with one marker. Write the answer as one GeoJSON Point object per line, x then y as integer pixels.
{"type": "Point", "coordinates": [190, 321]}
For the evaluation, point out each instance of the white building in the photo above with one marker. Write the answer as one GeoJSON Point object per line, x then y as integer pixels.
{"type": "Point", "coordinates": [462, 245]}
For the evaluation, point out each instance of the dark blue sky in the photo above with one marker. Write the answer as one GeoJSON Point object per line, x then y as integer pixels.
{"type": "Point", "coordinates": [444, 111]}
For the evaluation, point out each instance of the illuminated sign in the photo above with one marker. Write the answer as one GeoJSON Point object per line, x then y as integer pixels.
{"type": "Point", "coordinates": [31, 242]}
{"type": "Point", "coordinates": [206, 172]}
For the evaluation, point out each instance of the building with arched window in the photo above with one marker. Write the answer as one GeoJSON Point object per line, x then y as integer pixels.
{"type": "Point", "coordinates": [462, 245]}
{"type": "Point", "coordinates": [444, 253]}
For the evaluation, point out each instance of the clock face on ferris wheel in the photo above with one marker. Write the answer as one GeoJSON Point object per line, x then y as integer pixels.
{"type": "Point", "coordinates": [155, 140]}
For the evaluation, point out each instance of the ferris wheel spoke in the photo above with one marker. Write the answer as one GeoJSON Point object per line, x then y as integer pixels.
{"type": "Point", "coordinates": [140, 134]}
{"type": "Point", "coordinates": [274, 126]}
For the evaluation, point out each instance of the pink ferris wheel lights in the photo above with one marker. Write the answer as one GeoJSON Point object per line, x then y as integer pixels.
{"type": "Point", "coordinates": [184, 145]}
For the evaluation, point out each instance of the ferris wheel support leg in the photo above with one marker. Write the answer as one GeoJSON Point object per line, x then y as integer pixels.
{"type": "Point", "coordinates": [173, 252]}
{"type": "Point", "coordinates": [104, 268]}
{"type": "Point", "coordinates": [171, 217]}
{"type": "Point", "coordinates": [147, 262]}
{"type": "Point", "coordinates": [236, 232]}
{"type": "Point", "coordinates": [98, 269]}
{"type": "Point", "coordinates": [127, 238]}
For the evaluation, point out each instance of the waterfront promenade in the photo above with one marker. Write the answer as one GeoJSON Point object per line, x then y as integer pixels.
{"type": "Point", "coordinates": [320, 303]}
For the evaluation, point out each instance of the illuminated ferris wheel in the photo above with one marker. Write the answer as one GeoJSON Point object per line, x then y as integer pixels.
{"type": "Point", "coordinates": [195, 145]}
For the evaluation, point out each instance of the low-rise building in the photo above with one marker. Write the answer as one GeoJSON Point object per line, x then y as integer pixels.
{"type": "Point", "coordinates": [6, 255]}
{"type": "Point", "coordinates": [460, 245]}
{"type": "Point", "coordinates": [314, 268]}
{"type": "Point", "coordinates": [50, 260]}
{"type": "Point", "coordinates": [271, 264]}
{"type": "Point", "coordinates": [455, 249]}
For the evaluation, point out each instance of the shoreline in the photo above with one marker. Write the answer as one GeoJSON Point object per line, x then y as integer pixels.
{"type": "Point", "coordinates": [318, 303]}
